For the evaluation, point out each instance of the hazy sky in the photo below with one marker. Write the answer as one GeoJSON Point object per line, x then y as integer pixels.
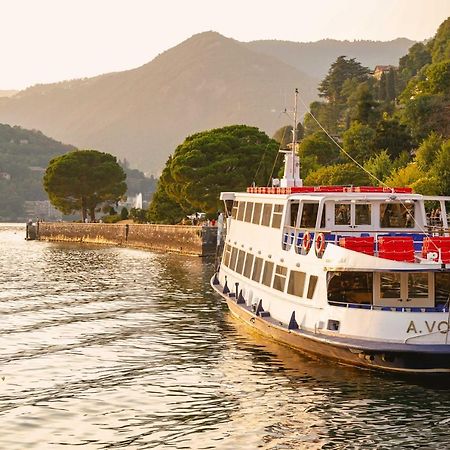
{"type": "Point", "coordinates": [51, 40]}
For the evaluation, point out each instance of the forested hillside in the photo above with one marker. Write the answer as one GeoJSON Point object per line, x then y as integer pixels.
{"type": "Point", "coordinates": [24, 155]}
{"type": "Point", "coordinates": [396, 125]}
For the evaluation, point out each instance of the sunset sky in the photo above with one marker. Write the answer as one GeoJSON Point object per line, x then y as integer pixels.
{"type": "Point", "coordinates": [52, 40]}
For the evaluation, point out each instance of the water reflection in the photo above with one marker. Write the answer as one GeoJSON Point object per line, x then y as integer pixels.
{"type": "Point", "coordinates": [109, 347]}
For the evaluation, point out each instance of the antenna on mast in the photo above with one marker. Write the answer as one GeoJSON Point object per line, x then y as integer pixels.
{"type": "Point", "coordinates": [291, 175]}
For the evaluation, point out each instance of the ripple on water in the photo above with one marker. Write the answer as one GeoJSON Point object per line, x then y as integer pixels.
{"type": "Point", "coordinates": [115, 348]}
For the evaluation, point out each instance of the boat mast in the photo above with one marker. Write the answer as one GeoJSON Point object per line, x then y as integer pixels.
{"type": "Point", "coordinates": [291, 175]}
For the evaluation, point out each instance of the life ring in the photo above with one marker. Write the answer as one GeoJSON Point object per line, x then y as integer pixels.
{"type": "Point", "coordinates": [306, 242]}
{"type": "Point", "coordinates": [320, 244]}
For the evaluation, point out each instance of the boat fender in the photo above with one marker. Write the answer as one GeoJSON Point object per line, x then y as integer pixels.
{"type": "Point", "coordinates": [320, 244]}
{"type": "Point", "coordinates": [306, 242]}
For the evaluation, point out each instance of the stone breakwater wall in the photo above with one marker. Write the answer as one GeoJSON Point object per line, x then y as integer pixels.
{"type": "Point", "coordinates": [184, 239]}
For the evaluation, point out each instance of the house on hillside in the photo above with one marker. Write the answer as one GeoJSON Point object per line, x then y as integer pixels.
{"type": "Point", "coordinates": [379, 70]}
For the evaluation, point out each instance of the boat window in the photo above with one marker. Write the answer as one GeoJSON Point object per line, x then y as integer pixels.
{"type": "Point", "coordinates": [363, 214]}
{"type": "Point", "coordinates": [442, 287]}
{"type": "Point", "coordinates": [248, 265]}
{"type": "Point", "coordinates": [267, 214]}
{"type": "Point", "coordinates": [234, 253]}
{"type": "Point", "coordinates": [228, 207]}
{"type": "Point", "coordinates": [248, 212]}
{"type": "Point", "coordinates": [312, 286]}
{"type": "Point", "coordinates": [294, 213]}
{"type": "Point", "coordinates": [342, 214]}
{"type": "Point", "coordinates": [351, 287]}
{"type": "Point", "coordinates": [241, 209]}
{"type": "Point", "coordinates": [277, 216]}
{"type": "Point", "coordinates": [418, 285]}
{"type": "Point", "coordinates": [390, 285]}
{"type": "Point", "coordinates": [257, 213]}
{"type": "Point", "coordinates": [280, 278]}
{"type": "Point", "coordinates": [256, 275]}
{"type": "Point", "coordinates": [267, 274]}
{"type": "Point", "coordinates": [322, 219]}
{"type": "Point", "coordinates": [234, 210]}
{"type": "Point", "coordinates": [226, 255]}
{"type": "Point", "coordinates": [296, 283]}
{"type": "Point", "coordinates": [240, 261]}
{"type": "Point", "coordinates": [309, 215]}
{"type": "Point", "coordinates": [396, 215]}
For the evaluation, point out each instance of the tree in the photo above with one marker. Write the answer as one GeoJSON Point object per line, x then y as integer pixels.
{"type": "Point", "coordinates": [359, 141]}
{"type": "Point", "coordinates": [82, 180]}
{"type": "Point", "coordinates": [392, 136]}
{"type": "Point", "coordinates": [426, 153]}
{"type": "Point", "coordinates": [341, 70]}
{"type": "Point", "coordinates": [320, 146]}
{"type": "Point", "coordinates": [284, 134]}
{"type": "Point", "coordinates": [339, 174]}
{"type": "Point", "coordinates": [440, 45]}
{"type": "Point", "coordinates": [380, 166]}
{"type": "Point", "coordinates": [207, 163]}
{"type": "Point", "coordinates": [124, 213]}
{"type": "Point", "coordinates": [441, 168]}
{"type": "Point", "coordinates": [409, 65]}
{"type": "Point", "coordinates": [363, 107]}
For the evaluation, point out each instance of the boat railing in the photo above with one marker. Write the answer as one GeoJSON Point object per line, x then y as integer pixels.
{"type": "Point", "coordinates": [406, 246]}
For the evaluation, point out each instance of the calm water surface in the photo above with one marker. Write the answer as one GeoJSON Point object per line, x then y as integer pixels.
{"type": "Point", "coordinates": [116, 348]}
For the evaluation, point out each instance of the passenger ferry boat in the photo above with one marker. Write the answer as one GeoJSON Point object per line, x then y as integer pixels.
{"type": "Point", "coordinates": [356, 274]}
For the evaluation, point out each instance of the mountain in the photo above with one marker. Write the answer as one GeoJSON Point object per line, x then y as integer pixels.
{"type": "Point", "coordinates": [142, 114]}
{"type": "Point", "coordinates": [315, 58]}
{"type": "Point", "coordinates": [7, 93]}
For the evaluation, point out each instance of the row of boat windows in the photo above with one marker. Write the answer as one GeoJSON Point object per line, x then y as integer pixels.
{"type": "Point", "coordinates": [304, 215]}
{"type": "Point", "coordinates": [268, 273]}
{"type": "Point", "coordinates": [357, 287]}
{"type": "Point", "coordinates": [392, 215]}
{"type": "Point", "coordinates": [266, 214]}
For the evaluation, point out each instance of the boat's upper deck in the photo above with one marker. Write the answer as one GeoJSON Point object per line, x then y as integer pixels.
{"type": "Point", "coordinates": [393, 224]}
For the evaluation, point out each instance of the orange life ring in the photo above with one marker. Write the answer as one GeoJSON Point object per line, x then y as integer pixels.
{"type": "Point", "coordinates": [306, 241]}
{"type": "Point", "coordinates": [320, 244]}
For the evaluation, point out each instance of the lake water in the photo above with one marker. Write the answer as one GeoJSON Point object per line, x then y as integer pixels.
{"type": "Point", "coordinates": [108, 348]}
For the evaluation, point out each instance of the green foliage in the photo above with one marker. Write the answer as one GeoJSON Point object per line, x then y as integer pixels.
{"type": "Point", "coordinates": [441, 168]}
{"type": "Point", "coordinates": [124, 214]}
{"type": "Point", "coordinates": [163, 209]}
{"type": "Point", "coordinates": [340, 71]}
{"type": "Point", "coordinates": [426, 153]}
{"type": "Point", "coordinates": [24, 155]}
{"type": "Point", "coordinates": [380, 166]}
{"type": "Point", "coordinates": [409, 65]}
{"type": "Point", "coordinates": [320, 147]}
{"type": "Point", "coordinates": [440, 48]}
{"type": "Point", "coordinates": [284, 135]}
{"type": "Point", "coordinates": [138, 215]}
{"type": "Point", "coordinates": [359, 141]}
{"type": "Point", "coordinates": [405, 176]}
{"type": "Point", "coordinates": [339, 174]}
{"type": "Point", "coordinates": [362, 105]}
{"type": "Point", "coordinates": [113, 218]}
{"type": "Point", "coordinates": [392, 136]}
{"type": "Point", "coordinates": [82, 180]}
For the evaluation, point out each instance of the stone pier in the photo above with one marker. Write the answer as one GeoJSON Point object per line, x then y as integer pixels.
{"type": "Point", "coordinates": [184, 239]}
